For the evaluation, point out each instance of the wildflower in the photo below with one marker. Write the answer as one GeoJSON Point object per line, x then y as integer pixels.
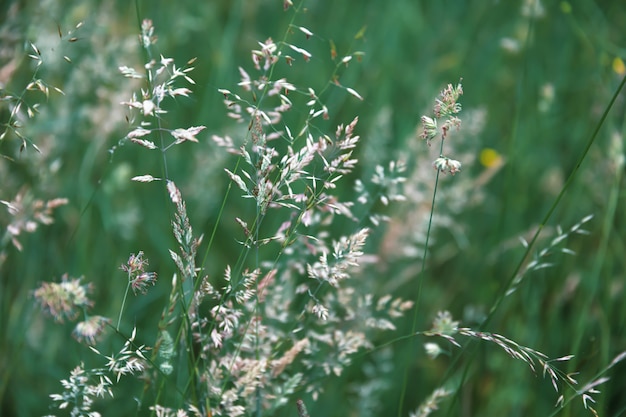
{"type": "Point", "coordinates": [88, 331]}
{"type": "Point", "coordinates": [618, 66]}
{"type": "Point", "coordinates": [490, 158]}
{"type": "Point", "coordinates": [63, 300]}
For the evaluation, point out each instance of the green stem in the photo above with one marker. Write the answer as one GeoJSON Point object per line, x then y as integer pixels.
{"type": "Point", "coordinates": [505, 288]}
{"type": "Point", "coordinates": [119, 320]}
{"type": "Point", "coordinates": [557, 201]}
{"type": "Point", "coordinates": [420, 282]}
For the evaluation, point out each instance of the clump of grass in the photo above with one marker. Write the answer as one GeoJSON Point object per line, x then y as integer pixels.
{"type": "Point", "coordinates": [288, 313]}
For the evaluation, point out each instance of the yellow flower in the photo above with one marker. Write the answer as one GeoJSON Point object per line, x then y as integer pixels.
{"type": "Point", "coordinates": [618, 66]}
{"type": "Point", "coordinates": [490, 157]}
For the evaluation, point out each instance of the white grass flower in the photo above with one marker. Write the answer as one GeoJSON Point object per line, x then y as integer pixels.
{"type": "Point", "coordinates": [64, 300]}
{"type": "Point", "coordinates": [320, 311]}
{"type": "Point", "coordinates": [89, 330]}
{"type": "Point", "coordinates": [447, 165]}
{"type": "Point", "coordinates": [145, 178]}
{"type": "Point", "coordinates": [148, 107]}
{"type": "Point", "coordinates": [307, 32]}
{"type": "Point", "coordinates": [354, 93]}
{"type": "Point", "coordinates": [431, 404]}
{"type": "Point", "coordinates": [189, 134]}
{"type": "Point", "coordinates": [306, 54]}
{"type": "Point", "coordinates": [432, 350]}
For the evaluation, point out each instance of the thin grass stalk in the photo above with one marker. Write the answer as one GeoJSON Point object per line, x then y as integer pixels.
{"type": "Point", "coordinates": [547, 216]}
{"type": "Point", "coordinates": [420, 279]}
{"type": "Point", "coordinates": [595, 275]}
{"type": "Point", "coordinates": [520, 90]}
{"type": "Point", "coordinates": [557, 201]}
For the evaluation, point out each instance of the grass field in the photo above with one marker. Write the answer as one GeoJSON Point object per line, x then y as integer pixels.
{"type": "Point", "coordinates": [308, 264]}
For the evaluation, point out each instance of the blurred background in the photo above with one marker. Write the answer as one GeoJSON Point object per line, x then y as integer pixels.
{"type": "Point", "coordinates": [537, 78]}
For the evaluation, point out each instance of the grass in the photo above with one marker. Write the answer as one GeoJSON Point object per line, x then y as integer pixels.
{"type": "Point", "coordinates": [538, 152]}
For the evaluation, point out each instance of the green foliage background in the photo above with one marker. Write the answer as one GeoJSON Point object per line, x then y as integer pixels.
{"type": "Point", "coordinates": [412, 50]}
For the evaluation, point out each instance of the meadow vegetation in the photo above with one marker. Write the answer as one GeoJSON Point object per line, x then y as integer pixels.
{"type": "Point", "coordinates": [312, 208]}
